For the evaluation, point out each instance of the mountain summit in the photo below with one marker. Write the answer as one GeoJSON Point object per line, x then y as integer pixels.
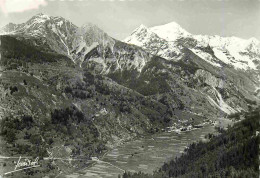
{"type": "Point", "coordinates": [170, 31]}
{"type": "Point", "coordinates": [170, 38]}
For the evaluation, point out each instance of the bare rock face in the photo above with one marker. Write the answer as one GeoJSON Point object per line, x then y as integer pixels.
{"type": "Point", "coordinates": [208, 78]}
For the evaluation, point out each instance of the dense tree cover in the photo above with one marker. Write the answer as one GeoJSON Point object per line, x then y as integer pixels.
{"type": "Point", "coordinates": [13, 89]}
{"type": "Point", "coordinates": [76, 130]}
{"type": "Point", "coordinates": [9, 124]}
{"type": "Point", "coordinates": [64, 116]}
{"type": "Point", "coordinates": [149, 82]}
{"type": "Point", "coordinates": [16, 130]}
{"type": "Point", "coordinates": [16, 53]}
{"type": "Point", "coordinates": [69, 125]}
{"type": "Point", "coordinates": [119, 99]}
{"type": "Point", "coordinates": [233, 153]}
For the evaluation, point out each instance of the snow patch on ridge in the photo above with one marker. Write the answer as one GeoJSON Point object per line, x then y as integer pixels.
{"type": "Point", "coordinates": [234, 58]}
{"type": "Point", "coordinates": [207, 57]}
{"type": "Point", "coordinates": [164, 41]}
{"type": "Point", "coordinates": [220, 103]}
{"type": "Point", "coordinates": [92, 46]}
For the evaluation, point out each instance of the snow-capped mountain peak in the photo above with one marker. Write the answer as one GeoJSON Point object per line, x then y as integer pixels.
{"type": "Point", "coordinates": [42, 16]}
{"type": "Point", "coordinates": [140, 35]}
{"type": "Point", "coordinates": [36, 26]}
{"type": "Point", "coordinates": [254, 40]}
{"type": "Point", "coordinates": [141, 28]}
{"type": "Point", "coordinates": [164, 41]}
{"type": "Point", "coordinates": [170, 31]}
{"type": "Point", "coordinates": [153, 43]}
{"type": "Point", "coordinates": [37, 20]}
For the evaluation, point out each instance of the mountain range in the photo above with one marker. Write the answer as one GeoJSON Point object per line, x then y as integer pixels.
{"type": "Point", "coordinates": [167, 40]}
{"type": "Point", "coordinates": [81, 80]}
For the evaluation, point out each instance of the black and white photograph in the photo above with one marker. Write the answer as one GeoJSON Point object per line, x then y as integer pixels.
{"type": "Point", "coordinates": [129, 88]}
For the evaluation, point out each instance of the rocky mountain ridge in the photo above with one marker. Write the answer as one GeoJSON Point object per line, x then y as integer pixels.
{"type": "Point", "coordinates": [170, 38]}
{"type": "Point", "coordinates": [226, 56]}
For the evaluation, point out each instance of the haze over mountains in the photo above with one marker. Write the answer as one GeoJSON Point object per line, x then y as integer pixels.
{"type": "Point", "coordinates": [101, 91]}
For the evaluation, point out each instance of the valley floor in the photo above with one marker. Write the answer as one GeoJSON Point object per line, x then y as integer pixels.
{"type": "Point", "coordinates": [146, 154]}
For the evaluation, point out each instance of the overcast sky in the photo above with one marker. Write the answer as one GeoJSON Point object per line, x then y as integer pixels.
{"type": "Point", "coordinates": [239, 18]}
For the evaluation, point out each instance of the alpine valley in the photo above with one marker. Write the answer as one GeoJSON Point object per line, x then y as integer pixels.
{"type": "Point", "coordinates": [72, 93]}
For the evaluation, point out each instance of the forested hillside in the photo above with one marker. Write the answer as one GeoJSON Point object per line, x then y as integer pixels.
{"type": "Point", "coordinates": [233, 153]}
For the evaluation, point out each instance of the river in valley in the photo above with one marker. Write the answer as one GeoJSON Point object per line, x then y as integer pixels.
{"type": "Point", "coordinates": [145, 154]}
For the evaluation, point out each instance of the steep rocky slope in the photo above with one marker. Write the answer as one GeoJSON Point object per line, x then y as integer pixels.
{"type": "Point", "coordinates": [228, 65]}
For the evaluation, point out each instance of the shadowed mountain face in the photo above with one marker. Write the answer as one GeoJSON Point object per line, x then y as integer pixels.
{"type": "Point", "coordinates": [81, 80]}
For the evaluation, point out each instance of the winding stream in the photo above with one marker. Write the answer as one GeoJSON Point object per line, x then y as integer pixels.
{"type": "Point", "coordinates": [146, 154]}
